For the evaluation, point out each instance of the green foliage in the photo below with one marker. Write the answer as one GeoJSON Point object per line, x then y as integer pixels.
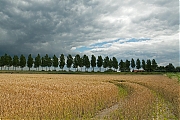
{"type": "Point", "coordinates": [43, 62]}
{"type": "Point", "coordinates": [15, 61]}
{"type": "Point", "coordinates": [62, 61]}
{"type": "Point", "coordinates": [174, 75]}
{"type": "Point", "coordinates": [30, 62]}
{"type": "Point", "coordinates": [121, 66]}
{"type": "Point", "coordinates": [69, 61]}
{"type": "Point", "coordinates": [55, 62]}
{"type": "Point", "coordinates": [110, 70]}
{"type": "Point", "coordinates": [93, 62]}
{"type": "Point", "coordinates": [106, 62]}
{"type": "Point", "coordinates": [81, 63]}
{"type": "Point", "coordinates": [110, 65]}
{"type": "Point", "coordinates": [22, 62]}
{"type": "Point", "coordinates": [114, 63]}
{"type": "Point", "coordinates": [49, 62]}
{"type": "Point", "coordinates": [133, 63]}
{"type": "Point", "coordinates": [76, 62]}
{"type": "Point", "coordinates": [138, 64]}
{"type": "Point", "coordinates": [144, 64]}
{"type": "Point", "coordinates": [178, 69]}
{"type": "Point", "coordinates": [99, 62]}
{"type": "Point", "coordinates": [1, 62]}
{"type": "Point", "coordinates": [87, 63]}
{"type": "Point", "coordinates": [170, 68]}
{"type": "Point", "coordinates": [154, 65]}
{"type": "Point", "coordinates": [46, 61]}
{"type": "Point", "coordinates": [37, 61]}
{"type": "Point", "coordinates": [148, 65]}
{"type": "Point", "coordinates": [127, 65]}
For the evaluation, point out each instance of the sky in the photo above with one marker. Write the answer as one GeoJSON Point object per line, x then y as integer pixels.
{"type": "Point", "coordinates": [144, 29]}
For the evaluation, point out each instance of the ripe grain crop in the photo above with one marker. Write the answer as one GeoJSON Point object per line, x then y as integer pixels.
{"type": "Point", "coordinates": [136, 106]}
{"type": "Point", "coordinates": [165, 87]}
{"type": "Point", "coordinates": [165, 90]}
{"type": "Point", "coordinates": [53, 96]}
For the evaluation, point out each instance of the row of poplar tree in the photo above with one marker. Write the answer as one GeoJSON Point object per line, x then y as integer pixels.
{"type": "Point", "coordinates": [76, 62]}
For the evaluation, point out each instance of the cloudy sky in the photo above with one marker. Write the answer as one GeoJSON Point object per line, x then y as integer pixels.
{"type": "Point", "coordinates": [145, 29]}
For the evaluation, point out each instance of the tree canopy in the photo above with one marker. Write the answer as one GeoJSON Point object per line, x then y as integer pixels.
{"type": "Point", "coordinates": [6, 61]}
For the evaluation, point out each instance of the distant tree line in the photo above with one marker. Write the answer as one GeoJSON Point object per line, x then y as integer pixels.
{"type": "Point", "coordinates": [79, 62]}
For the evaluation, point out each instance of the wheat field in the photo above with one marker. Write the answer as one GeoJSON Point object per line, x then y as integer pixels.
{"type": "Point", "coordinates": [53, 96]}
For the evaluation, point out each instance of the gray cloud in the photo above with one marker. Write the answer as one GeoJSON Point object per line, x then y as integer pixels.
{"type": "Point", "coordinates": [55, 27]}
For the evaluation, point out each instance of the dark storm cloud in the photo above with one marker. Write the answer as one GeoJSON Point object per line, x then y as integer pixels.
{"type": "Point", "coordinates": [55, 27]}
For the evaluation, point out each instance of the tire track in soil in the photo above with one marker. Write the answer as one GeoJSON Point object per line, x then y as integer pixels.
{"type": "Point", "coordinates": [134, 99]}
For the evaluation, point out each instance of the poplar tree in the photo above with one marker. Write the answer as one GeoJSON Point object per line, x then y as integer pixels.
{"type": "Point", "coordinates": [144, 64]}
{"type": "Point", "coordinates": [46, 58]}
{"type": "Point", "coordinates": [84, 61]}
{"type": "Point", "coordinates": [69, 61]}
{"type": "Point", "coordinates": [1, 62]}
{"type": "Point", "coordinates": [30, 62]}
{"type": "Point", "coordinates": [106, 62]}
{"type": "Point", "coordinates": [93, 62]}
{"type": "Point", "coordinates": [55, 62]}
{"type": "Point", "coordinates": [114, 63]}
{"type": "Point", "coordinates": [154, 64]}
{"type": "Point", "coordinates": [49, 63]}
{"type": "Point", "coordinates": [148, 65]}
{"type": "Point", "coordinates": [37, 61]}
{"type": "Point", "coordinates": [99, 62]}
{"type": "Point", "coordinates": [15, 61]}
{"type": "Point", "coordinates": [87, 63]}
{"type": "Point", "coordinates": [42, 63]}
{"type": "Point", "coordinates": [121, 66]}
{"type": "Point", "coordinates": [76, 62]}
{"type": "Point", "coordinates": [127, 65]}
{"type": "Point", "coordinates": [110, 64]}
{"type": "Point", "coordinates": [81, 63]}
{"type": "Point", "coordinates": [133, 63]}
{"type": "Point", "coordinates": [62, 61]}
{"type": "Point", "coordinates": [22, 61]}
{"type": "Point", "coordinates": [9, 61]}
{"type": "Point", "coordinates": [138, 64]}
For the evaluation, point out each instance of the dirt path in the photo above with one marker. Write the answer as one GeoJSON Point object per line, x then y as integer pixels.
{"type": "Point", "coordinates": [106, 112]}
{"type": "Point", "coordinates": [141, 101]}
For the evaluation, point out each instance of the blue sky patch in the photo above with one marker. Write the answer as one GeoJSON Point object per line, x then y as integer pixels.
{"type": "Point", "coordinates": [101, 44]}
{"type": "Point", "coordinates": [82, 49]}
{"type": "Point", "coordinates": [137, 40]}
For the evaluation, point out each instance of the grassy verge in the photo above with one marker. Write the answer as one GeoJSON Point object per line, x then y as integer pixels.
{"type": "Point", "coordinates": [162, 109]}
{"type": "Point", "coordinates": [174, 75]}
{"type": "Point", "coordinates": [123, 90]}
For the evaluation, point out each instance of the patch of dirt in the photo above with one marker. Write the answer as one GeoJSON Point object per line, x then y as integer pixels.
{"type": "Point", "coordinates": [106, 112]}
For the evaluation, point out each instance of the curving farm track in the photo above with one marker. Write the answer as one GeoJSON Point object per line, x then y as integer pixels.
{"type": "Point", "coordinates": [146, 99]}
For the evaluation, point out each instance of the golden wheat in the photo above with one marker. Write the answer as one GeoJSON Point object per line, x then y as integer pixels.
{"type": "Point", "coordinates": [43, 96]}
{"type": "Point", "coordinates": [53, 96]}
